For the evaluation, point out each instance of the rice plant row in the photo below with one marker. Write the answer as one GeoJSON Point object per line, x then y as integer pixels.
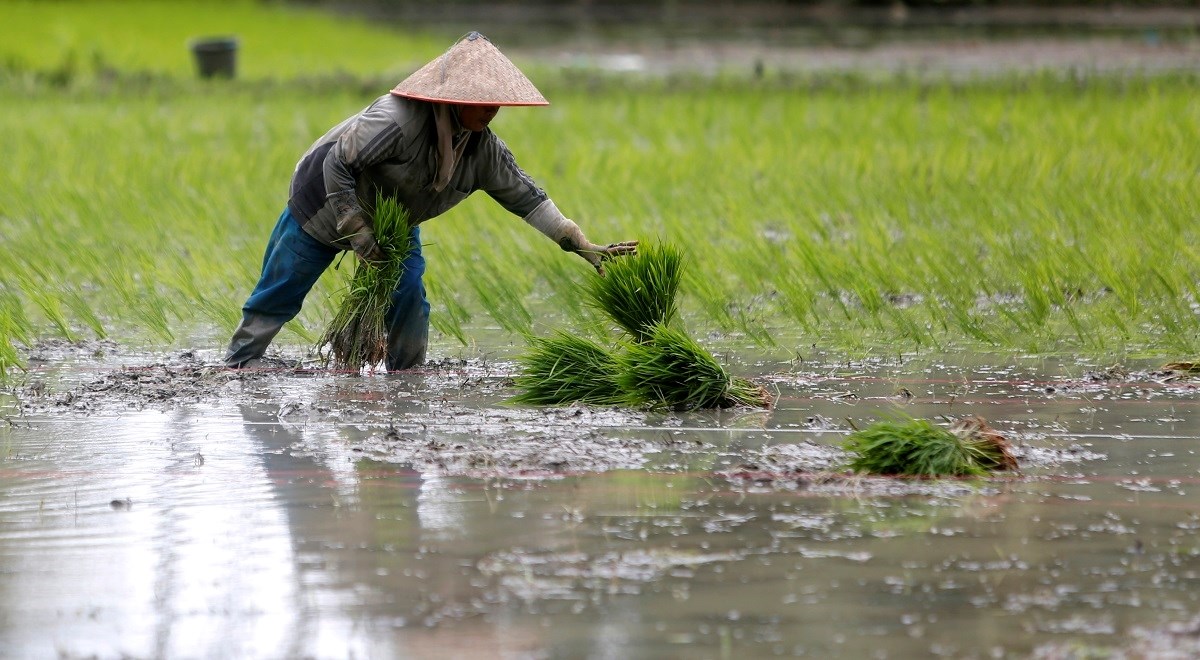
{"type": "Point", "coordinates": [1036, 213]}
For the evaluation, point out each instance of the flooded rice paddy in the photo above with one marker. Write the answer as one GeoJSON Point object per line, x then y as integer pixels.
{"type": "Point", "coordinates": [164, 507]}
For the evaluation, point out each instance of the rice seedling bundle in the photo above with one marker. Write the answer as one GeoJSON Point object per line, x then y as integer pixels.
{"type": "Point", "coordinates": [660, 366]}
{"type": "Point", "coordinates": [671, 370]}
{"type": "Point", "coordinates": [357, 335]}
{"type": "Point", "coordinates": [918, 448]}
{"type": "Point", "coordinates": [638, 292]}
{"type": "Point", "coordinates": [663, 367]}
{"type": "Point", "coordinates": [563, 368]}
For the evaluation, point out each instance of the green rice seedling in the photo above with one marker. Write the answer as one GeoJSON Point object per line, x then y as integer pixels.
{"type": "Point", "coordinates": [357, 335]}
{"type": "Point", "coordinates": [564, 368]}
{"type": "Point", "coordinates": [502, 303]}
{"type": "Point", "coordinates": [671, 370]}
{"type": "Point", "coordinates": [83, 311]}
{"type": "Point", "coordinates": [638, 292]}
{"type": "Point", "coordinates": [448, 314]}
{"type": "Point", "coordinates": [918, 448]}
{"type": "Point", "coordinates": [14, 328]}
{"type": "Point", "coordinates": [9, 359]}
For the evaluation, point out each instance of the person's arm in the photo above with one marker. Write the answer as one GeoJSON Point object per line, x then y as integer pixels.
{"type": "Point", "coordinates": [547, 219]}
{"type": "Point", "coordinates": [509, 185]}
{"type": "Point", "coordinates": [370, 138]}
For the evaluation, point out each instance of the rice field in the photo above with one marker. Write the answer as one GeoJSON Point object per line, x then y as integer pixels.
{"type": "Point", "coordinates": [1050, 213]}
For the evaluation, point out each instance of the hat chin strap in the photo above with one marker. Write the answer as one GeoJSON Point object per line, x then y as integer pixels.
{"type": "Point", "coordinates": [448, 154]}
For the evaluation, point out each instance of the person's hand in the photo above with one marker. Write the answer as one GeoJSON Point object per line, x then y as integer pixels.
{"type": "Point", "coordinates": [596, 255]}
{"type": "Point", "coordinates": [364, 245]}
{"type": "Point", "coordinates": [352, 225]}
{"type": "Point", "coordinates": [547, 219]}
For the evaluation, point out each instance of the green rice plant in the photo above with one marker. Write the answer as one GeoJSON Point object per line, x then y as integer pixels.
{"type": "Point", "coordinates": [503, 303]}
{"type": "Point", "coordinates": [638, 292]}
{"type": "Point", "coordinates": [83, 311]}
{"type": "Point", "coordinates": [670, 370]}
{"type": "Point", "coordinates": [982, 197]}
{"type": "Point", "coordinates": [357, 334]}
{"type": "Point", "coordinates": [9, 359]}
{"type": "Point", "coordinates": [918, 448]}
{"type": "Point", "coordinates": [14, 328]}
{"type": "Point", "coordinates": [565, 368]}
{"type": "Point", "coordinates": [448, 314]}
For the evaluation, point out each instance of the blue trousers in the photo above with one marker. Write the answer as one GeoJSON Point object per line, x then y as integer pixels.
{"type": "Point", "coordinates": [291, 266]}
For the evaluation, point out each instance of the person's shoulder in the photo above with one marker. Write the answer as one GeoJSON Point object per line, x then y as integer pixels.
{"type": "Point", "coordinates": [487, 139]}
{"type": "Point", "coordinates": [405, 111]}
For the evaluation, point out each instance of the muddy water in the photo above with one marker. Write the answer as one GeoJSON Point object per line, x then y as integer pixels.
{"type": "Point", "coordinates": [177, 510]}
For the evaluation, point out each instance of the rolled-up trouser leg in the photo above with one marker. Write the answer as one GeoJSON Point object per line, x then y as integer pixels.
{"type": "Point", "coordinates": [408, 317]}
{"type": "Point", "coordinates": [291, 266]}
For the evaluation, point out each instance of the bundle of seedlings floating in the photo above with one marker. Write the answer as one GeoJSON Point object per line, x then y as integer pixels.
{"type": "Point", "coordinates": [918, 448]}
{"type": "Point", "coordinates": [563, 369]}
{"type": "Point", "coordinates": [671, 370]}
{"type": "Point", "coordinates": [357, 335]}
{"type": "Point", "coordinates": [657, 365]}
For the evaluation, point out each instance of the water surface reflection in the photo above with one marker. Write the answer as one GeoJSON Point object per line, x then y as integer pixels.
{"type": "Point", "coordinates": [234, 529]}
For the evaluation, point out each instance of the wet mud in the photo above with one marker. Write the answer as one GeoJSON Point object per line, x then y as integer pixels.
{"type": "Point", "coordinates": [152, 504]}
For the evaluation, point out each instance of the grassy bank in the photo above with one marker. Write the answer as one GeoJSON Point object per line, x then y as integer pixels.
{"type": "Point", "coordinates": [65, 43]}
{"type": "Point", "coordinates": [1045, 213]}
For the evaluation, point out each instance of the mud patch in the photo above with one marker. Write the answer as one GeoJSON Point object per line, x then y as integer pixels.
{"type": "Point", "coordinates": [54, 350]}
{"type": "Point", "coordinates": [184, 381]}
{"type": "Point", "coordinates": [1143, 383]}
{"type": "Point", "coordinates": [529, 443]}
{"type": "Point", "coordinates": [1039, 455]}
{"type": "Point", "coordinates": [531, 575]}
{"type": "Point", "coordinates": [1174, 640]}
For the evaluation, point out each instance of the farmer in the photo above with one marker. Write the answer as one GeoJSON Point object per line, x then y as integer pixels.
{"type": "Point", "coordinates": [427, 145]}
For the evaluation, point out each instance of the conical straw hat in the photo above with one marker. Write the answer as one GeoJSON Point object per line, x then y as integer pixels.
{"type": "Point", "coordinates": [472, 72]}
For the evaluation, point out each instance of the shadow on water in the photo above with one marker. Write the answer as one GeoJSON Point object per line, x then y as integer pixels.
{"type": "Point", "coordinates": [290, 515]}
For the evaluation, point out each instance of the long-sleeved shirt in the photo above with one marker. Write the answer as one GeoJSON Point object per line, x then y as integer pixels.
{"type": "Point", "coordinates": [391, 147]}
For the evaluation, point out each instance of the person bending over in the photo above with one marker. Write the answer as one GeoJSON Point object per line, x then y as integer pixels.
{"type": "Point", "coordinates": [426, 144]}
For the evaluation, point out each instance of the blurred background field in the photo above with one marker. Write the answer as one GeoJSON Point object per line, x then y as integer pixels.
{"type": "Point", "coordinates": [862, 205]}
{"type": "Point", "coordinates": [80, 38]}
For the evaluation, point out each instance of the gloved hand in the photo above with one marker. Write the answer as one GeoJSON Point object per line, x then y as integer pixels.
{"type": "Point", "coordinates": [547, 219]}
{"type": "Point", "coordinates": [596, 255]}
{"type": "Point", "coordinates": [352, 224]}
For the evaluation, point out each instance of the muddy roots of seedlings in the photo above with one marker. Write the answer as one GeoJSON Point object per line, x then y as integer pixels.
{"type": "Point", "coordinates": [671, 370]}
{"type": "Point", "coordinates": [638, 291]}
{"type": "Point", "coordinates": [918, 448]}
{"type": "Point", "coordinates": [976, 431]}
{"type": "Point", "coordinates": [357, 335]}
{"type": "Point", "coordinates": [563, 369]}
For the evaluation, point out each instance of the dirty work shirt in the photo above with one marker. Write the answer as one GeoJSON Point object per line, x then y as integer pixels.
{"type": "Point", "coordinates": [392, 147]}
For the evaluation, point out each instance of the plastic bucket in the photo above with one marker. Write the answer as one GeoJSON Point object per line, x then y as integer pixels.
{"type": "Point", "coordinates": [216, 57]}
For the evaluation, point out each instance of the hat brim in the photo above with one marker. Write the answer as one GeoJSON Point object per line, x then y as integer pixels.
{"type": "Point", "coordinates": [418, 97]}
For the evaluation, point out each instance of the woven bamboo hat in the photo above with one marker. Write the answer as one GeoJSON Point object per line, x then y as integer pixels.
{"type": "Point", "coordinates": [471, 72]}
